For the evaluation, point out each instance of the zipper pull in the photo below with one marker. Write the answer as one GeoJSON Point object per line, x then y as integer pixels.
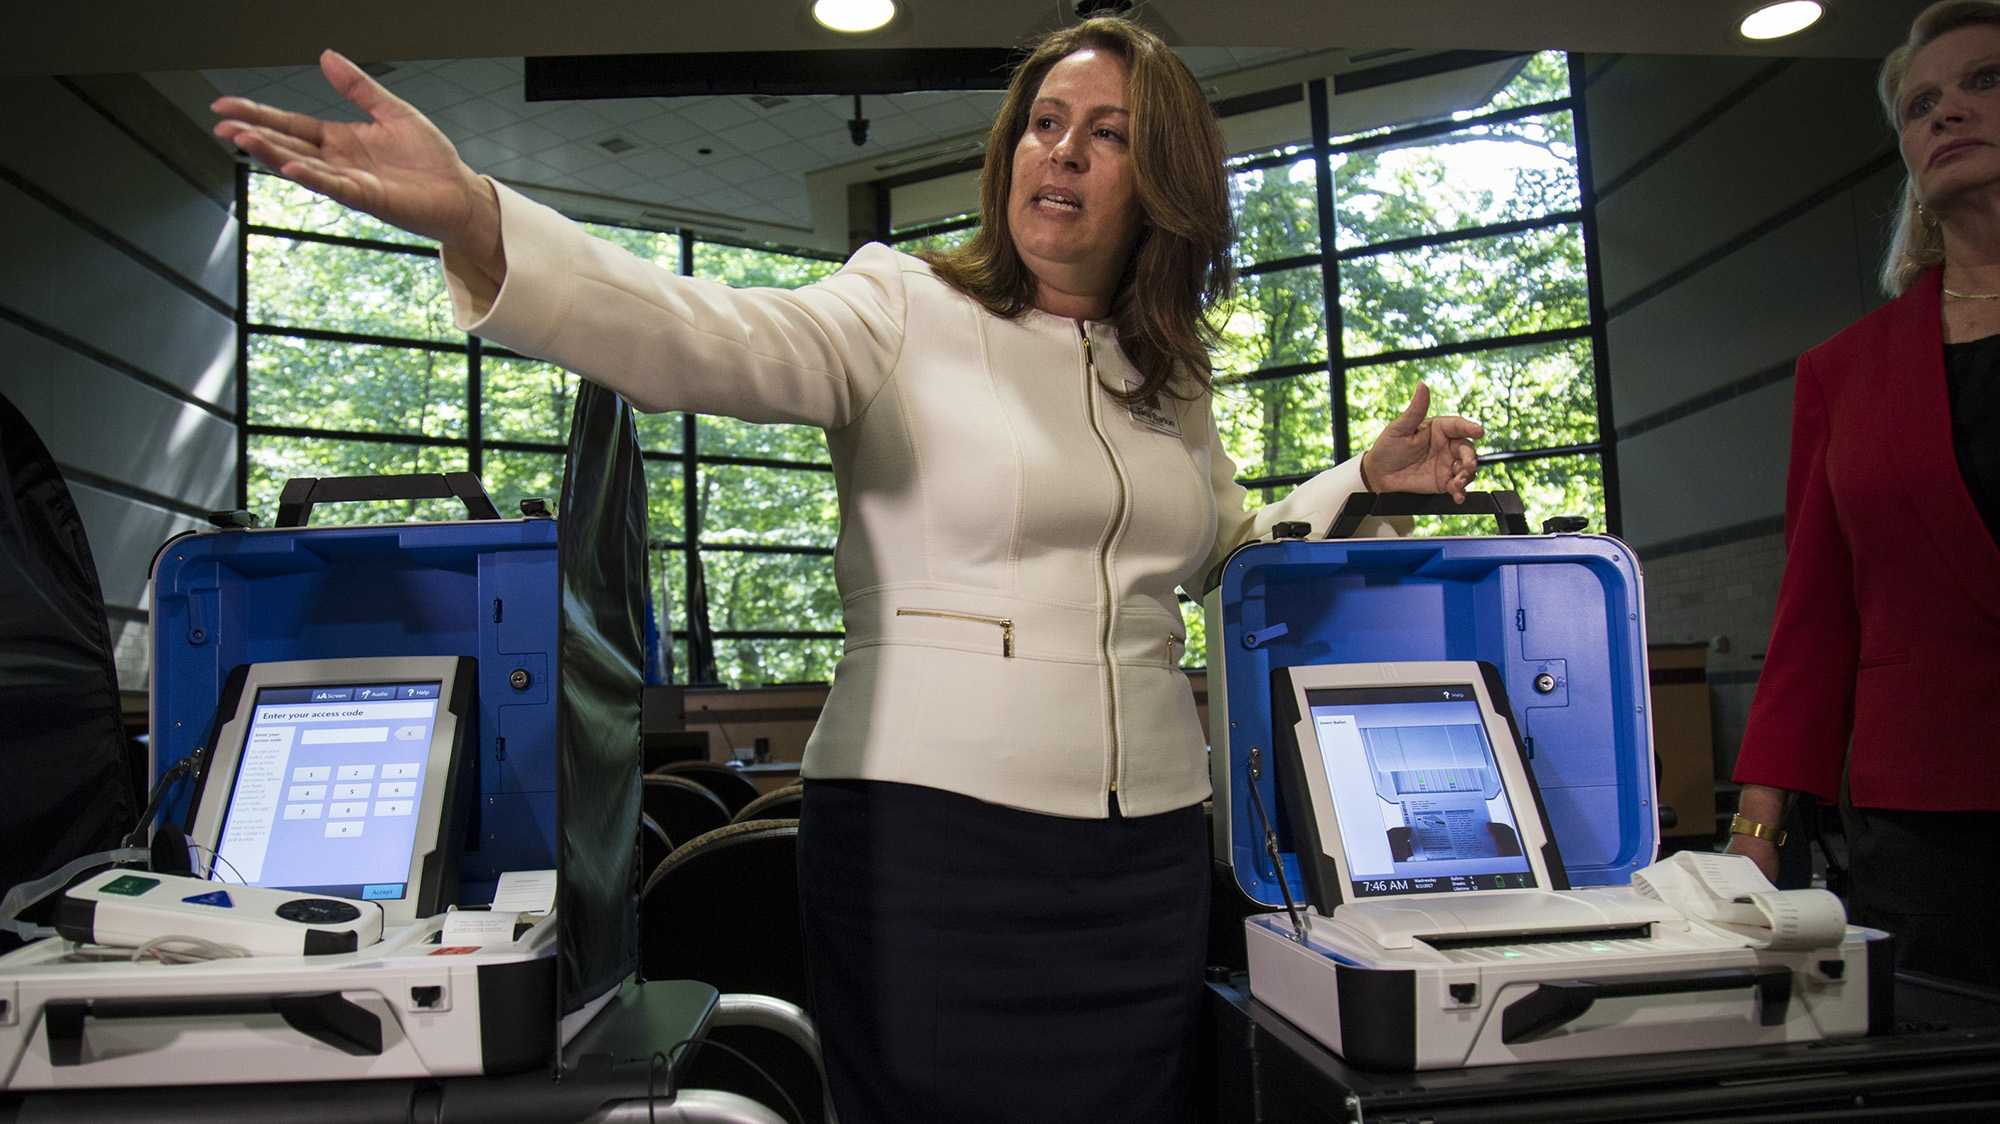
{"type": "Point", "coordinates": [1089, 364]}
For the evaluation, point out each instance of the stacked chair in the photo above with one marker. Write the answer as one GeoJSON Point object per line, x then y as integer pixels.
{"type": "Point", "coordinates": [722, 906]}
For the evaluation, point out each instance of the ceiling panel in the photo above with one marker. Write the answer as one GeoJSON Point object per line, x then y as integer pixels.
{"type": "Point", "coordinates": [755, 161]}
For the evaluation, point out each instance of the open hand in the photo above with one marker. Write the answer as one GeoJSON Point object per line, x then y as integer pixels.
{"type": "Point", "coordinates": [1418, 453]}
{"type": "Point", "coordinates": [396, 165]}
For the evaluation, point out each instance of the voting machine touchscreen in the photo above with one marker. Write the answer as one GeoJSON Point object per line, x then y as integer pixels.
{"type": "Point", "coordinates": [341, 777]}
{"type": "Point", "coordinates": [1407, 780]}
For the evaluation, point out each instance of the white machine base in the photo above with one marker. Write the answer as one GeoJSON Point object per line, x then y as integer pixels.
{"type": "Point", "coordinates": [406, 1007]}
{"type": "Point", "coordinates": [1421, 1007]}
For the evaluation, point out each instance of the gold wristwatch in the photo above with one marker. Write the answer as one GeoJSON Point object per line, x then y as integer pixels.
{"type": "Point", "coordinates": [1740, 826]}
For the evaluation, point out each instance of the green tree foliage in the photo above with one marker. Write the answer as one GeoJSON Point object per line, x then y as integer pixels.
{"type": "Point", "coordinates": [287, 206]}
{"type": "Point", "coordinates": [405, 380]}
{"type": "Point", "coordinates": [1451, 291]}
{"type": "Point", "coordinates": [1282, 425]}
{"type": "Point", "coordinates": [407, 375]}
{"type": "Point", "coordinates": [1276, 420]}
{"type": "Point", "coordinates": [941, 240]}
{"type": "Point", "coordinates": [766, 506]}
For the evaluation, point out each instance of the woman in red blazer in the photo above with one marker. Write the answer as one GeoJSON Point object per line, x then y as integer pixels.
{"type": "Point", "coordinates": [1885, 654]}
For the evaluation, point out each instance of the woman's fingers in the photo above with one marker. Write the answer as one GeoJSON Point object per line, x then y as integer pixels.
{"type": "Point", "coordinates": [286, 145]}
{"type": "Point", "coordinates": [1452, 437]}
{"type": "Point", "coordinates": [396, 165]}
{"type": "Point", "coordinates": [1451, 427]}
{"type": "Point", "coordinates": [355, 84]}
{"type": "Point", "coordinates": [261, 146]}
{"type": "Point", "coordinates": [274, 150]}
{"type": "Point", "coordinates": [306, 128]}
{"type": "Point", "coordinates": [1412, 417]}
{"type": "Point", "coordinates": [317, 175]}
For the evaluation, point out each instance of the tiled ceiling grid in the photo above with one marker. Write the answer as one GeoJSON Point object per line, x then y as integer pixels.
{"type": "Point", "coordinates": [738, 156]}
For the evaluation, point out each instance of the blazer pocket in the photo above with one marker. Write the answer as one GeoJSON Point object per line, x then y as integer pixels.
{"type": "Point", "coordinates": [1004, 624]}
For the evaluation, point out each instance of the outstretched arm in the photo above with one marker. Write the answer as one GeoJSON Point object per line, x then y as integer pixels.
{"type": "Point", "coordinates": [396, 165]}
{"type": "Point", "coordinates": [1418, 453]}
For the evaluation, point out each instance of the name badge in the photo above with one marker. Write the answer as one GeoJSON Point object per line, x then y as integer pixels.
{"type": "Point", "coordinates": [1152, 417]}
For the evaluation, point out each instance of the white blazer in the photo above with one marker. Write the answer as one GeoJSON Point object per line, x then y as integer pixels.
{"type": "Point", "coordinates": [1011, 535]}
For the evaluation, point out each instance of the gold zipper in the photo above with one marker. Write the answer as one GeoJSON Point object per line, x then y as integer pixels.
{"type": "Point", "coordinates": [1006, 624]}
{"type": "Point", "coordinates": [1104, 560]}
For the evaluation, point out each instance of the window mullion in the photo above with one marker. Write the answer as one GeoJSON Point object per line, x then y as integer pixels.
{"type": "Point", "coordinates": [1329, 265]}
{"type": "Point", "coordinates": [242, 338]}
{"type": "Point", "coordinates": [694, 606]}
{"type": "Point", "coordinates": [1593, 279]}
{"type": "Point", "coordinates": [475, 393]}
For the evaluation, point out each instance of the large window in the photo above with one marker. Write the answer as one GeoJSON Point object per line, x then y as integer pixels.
{"type": "Point", "coordinates": [355, 368]}
{"type": "Point", "coordinates": [1456, 257]}
{"type": "Point", "coordinates": [1449, 251]}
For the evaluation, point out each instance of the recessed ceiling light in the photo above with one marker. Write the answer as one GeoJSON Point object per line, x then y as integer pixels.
{"type": "Point", "coordinates": [854, 15]}
{"type": "Point", "coordinates": [1775, 21]}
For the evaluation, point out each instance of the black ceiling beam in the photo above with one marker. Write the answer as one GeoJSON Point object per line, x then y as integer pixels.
{"type": "Point", "coordinates": [1421, 67]}
{"type": "Point", "coordinates": [855, 70]}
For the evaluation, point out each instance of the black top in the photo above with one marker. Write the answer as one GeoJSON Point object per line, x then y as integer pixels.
{"type": "Point", "coordinates": [1972, 379]}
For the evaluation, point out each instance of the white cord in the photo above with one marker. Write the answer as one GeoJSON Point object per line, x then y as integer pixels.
{"type": "Point", "coordinates": [176, 949]}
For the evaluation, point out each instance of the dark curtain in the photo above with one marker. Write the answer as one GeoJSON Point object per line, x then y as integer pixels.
{"type": "Point", "coordinates": [700, 633]}
{"type": "Point", "coordinates": [68, 788]}
{"type": "Point", "coordinates": [601, 558]}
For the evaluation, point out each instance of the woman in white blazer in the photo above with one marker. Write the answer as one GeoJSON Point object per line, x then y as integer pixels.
{"type": "Point", "coordinates": [1003, 863]}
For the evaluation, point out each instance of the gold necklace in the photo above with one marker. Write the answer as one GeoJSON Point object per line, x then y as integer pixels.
{"type": "Point", "coordinates": [1972, 296]}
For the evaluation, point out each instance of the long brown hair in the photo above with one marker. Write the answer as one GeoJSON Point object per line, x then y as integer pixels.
{"type": "Point", "coordinates": [1917, 244]}
{"type": "Point", "coordinates": [1179, 266]}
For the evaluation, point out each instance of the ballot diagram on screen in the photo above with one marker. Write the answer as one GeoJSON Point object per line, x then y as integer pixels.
{"type": "Point", "coordinates": [1445, 783]}
{"type": "Point", "coordinates": [1421, 802]}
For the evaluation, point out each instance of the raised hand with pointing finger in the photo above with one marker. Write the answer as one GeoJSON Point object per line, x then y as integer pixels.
{"type": "Point", "coordinates": [396, 165]}
{"type": "Point", "coordinates": [1418, 453]}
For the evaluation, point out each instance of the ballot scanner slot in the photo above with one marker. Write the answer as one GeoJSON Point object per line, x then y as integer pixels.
{"type": "Point", "coordinates": [1575, 936]}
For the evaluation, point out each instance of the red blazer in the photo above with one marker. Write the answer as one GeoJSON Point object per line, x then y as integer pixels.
{"type": "Point", "coordinates": [1888, 620]}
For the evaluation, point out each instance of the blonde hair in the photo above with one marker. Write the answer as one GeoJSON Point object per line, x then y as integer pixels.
{"type": "Point", "coordinates": [1180, 267]}
{"type": "Point", "coordinates": [1916, 245]}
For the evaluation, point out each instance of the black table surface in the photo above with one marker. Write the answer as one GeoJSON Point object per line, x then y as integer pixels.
{"type": "Point", "coordinates": [1941, 1063]}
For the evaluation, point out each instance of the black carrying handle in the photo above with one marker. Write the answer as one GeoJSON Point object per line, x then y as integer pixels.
{"type": "Point", "coordinates": [1555, 1004]}
{"type": "Point", "coordinates": [327, 1017]}
{"type": "Point", "coordinates": [1503, 506]}
{"type": "Point", "coordinates": [296, 502]}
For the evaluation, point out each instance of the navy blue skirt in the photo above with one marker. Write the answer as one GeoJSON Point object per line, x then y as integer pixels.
{"type": "Point", "coordinates": [971, 963]}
